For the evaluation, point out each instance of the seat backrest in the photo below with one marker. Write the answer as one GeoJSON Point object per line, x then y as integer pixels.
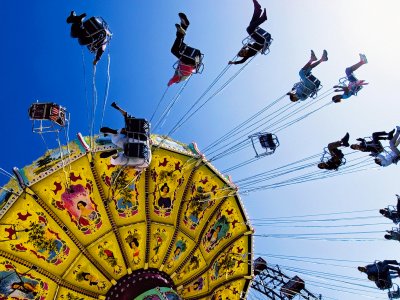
{"type": "Point", "coordinates": [267, 141]}
{"type": "Point", "coordinates": [314, 80]}
{"type": "Point", "coordinates": [136, 150]}
{"type": "Point", "coordinates": [40, 111]}
{"type": "Point", "coordinates": [308, 91]}
{"type": "Point", "coordinates": [193, 57]}
{"type": "Point", "coordinates": [261, 32]}
{"type": "Point", "coordinates": [190, 52]}
{"type": "Point", "coordinates": [97, 33]}
{"type": "Point", "coordinates": [137, 128]}
{"type": "Point", "coordinates": [94, 24]}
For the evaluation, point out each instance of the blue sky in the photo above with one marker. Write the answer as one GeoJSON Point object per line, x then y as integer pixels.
{"type": "Point", "coordinates": [41, 62]}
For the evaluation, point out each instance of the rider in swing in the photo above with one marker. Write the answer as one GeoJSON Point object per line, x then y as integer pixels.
{"type": "Point", "coordinates": [186, 65]}
{"type": "Point", "coordinates": [250, 50]}
{"type": "Point", "coordinates": [303, 90]}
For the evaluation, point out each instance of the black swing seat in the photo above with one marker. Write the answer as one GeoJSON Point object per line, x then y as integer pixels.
{"type": "Point", "coordinates": [138, 129]}
{"type": "Point", "coordinates": [137, 150]}
{"type": "Point", "coordinates": [192, 56]}
{"type": "Point", "coordinates": [268, 142]}
{"type": "Point", "coordinates": [259, 265]}
{"type": "Point", "coordinates": [293, 287]}
{"type": "Point", "coordinates": [48, 111]}
{"type": "Point", "coordinates": [135, 154]}
{"type": "Point", "coordinates": [307, 91]}
{"type": "Point", "coordinates": [258, 35]}
{"type": "Point", "coordinates": [97, 33]}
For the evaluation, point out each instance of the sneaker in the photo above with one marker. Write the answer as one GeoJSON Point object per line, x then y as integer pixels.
{"type": "Point", "coordinates": [264, 15]}
{"type": "Point", "coordinates": [184, 19]}
{"type": "Point", "coordinates": [363, 58]}
{"type": "Point", "coordinates": [114, 105]}
{"type": "Point", "coordinates": [390, 135]}
{"type": "Point", "coordinates": [108, 153]}
{"type": "Point", "coordinates": [345, 140]}
{"type": "Point", "coordinates": [108, 130]}
{"type": "Point", "coordinates": [179, 29]}
{"type": "Point", "coordinates": [360, 139]}
{"type": "Point", "coordinates": [71, 17]}
{"type": "Point", "coordinates": [324, 56]}
{"type": "Point", "coordinates": [313, 56]}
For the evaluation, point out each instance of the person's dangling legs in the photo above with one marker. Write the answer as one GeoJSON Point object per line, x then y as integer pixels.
{"type": "Point", "coordinates": [259, 17]}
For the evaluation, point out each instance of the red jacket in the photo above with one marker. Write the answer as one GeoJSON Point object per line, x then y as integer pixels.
{"type": "Point", "coordinates": [182, 73]}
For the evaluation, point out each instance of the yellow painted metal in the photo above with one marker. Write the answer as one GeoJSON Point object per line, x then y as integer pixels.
{"type": "Point", "coordinates": [82, 224]}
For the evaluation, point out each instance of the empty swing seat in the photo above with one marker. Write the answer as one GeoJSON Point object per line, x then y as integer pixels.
{"type": "Point", "coordinates": [291, 288]}
{"type": "Point", "coordinates": [48, 111]}
{"type": "Point", "coordinates": [268, 142]}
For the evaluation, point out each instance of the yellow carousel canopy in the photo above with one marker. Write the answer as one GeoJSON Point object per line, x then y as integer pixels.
{"type": "Point", "coordinates": [74, 226]}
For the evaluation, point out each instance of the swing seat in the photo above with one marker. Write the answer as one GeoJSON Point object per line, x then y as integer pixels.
{"type": "Point", "coordinates": [307, 91]}
{"type": "Point", "coordinates": [97, 33]}
{"type": "Point", "coordinates": [138, 129]}
{"type": "Point", "coordinates": [136, 150]}
{"type": "Point", "coordinates": [136, 154]}
{"type": "Point", "coordinates": [259, 265]}
{"type": "Point", "coordinates": [266, 36]}
{"type": "Point", "coordinates": [255, 37]}
{"type": "Point", "coordinates": [48, 111]}
{"type": "Point", "coordinates": [268, 142]}
{"type": "Point", "coordinates": [194, 56]}
{"type": "Point", "coordinates": [291, 288]}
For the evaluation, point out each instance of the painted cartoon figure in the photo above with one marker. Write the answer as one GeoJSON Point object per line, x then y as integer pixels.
{"type": "Point", "coordinates": [180, 247]}
{"type": "Point", "coordinates": [91, 279]}
{"type": "Point", "coordinates": [164, 201]}
{"type": "Point", "coordinates": [218, 231]}
{"type": "Point", "coordinates": [17, 285]}
{"type": "Point", "coordinates": [133, 242]}
{"type": "Point", "coordinates": [82, 210]}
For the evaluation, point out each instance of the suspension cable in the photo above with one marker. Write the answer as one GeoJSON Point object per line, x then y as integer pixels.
{"type": "Point", "coordinates": [167, 110]}
{"type": "Point", "coordinates": [107, 89]}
